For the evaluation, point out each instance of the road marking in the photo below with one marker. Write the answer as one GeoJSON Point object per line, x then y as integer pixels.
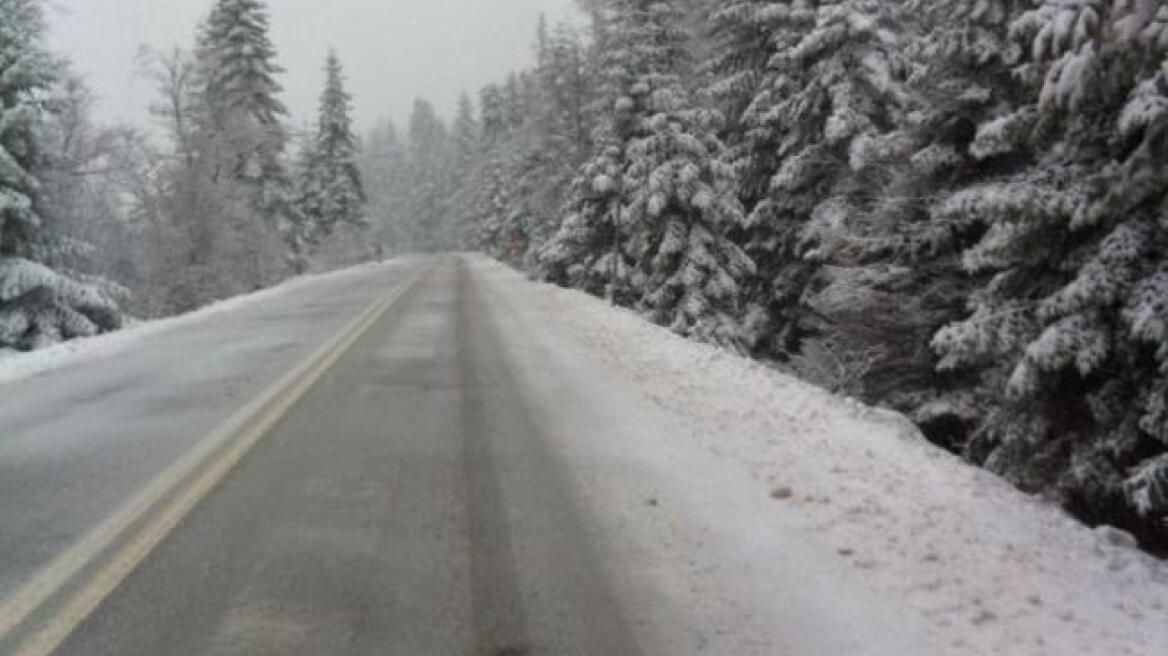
{"type": "Point", "coordinates": [208, 463]}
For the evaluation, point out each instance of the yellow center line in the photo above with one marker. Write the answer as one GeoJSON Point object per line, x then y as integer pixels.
{"type": "Point", "coordinates": [240, 434]}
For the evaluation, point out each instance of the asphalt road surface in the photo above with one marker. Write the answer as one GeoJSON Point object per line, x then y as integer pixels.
{"type": "Point", "coordinates": [77, 441]}
{"type": "Point", "coordinates": [406, 505]}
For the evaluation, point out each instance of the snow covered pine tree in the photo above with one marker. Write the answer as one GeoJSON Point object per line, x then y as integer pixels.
{"type": "Point", "coordinates": [331, 192]}
{"type": "Point", "coordinates": [491, 186]}
{"type": "Point", "coordinates": [834, 93]}
{"type": "Point", "coordinates": [466, 145]}
{"type": "Point", "coordinates": [427, 213]}
{"type": "Point", "coordinates": [1071, 327]}
{"type": "Point", "coordinates": [383, 171]}
{"type": "Point", "coordinates": [894, 267]}
{"type": "Point", "coordinates": [649, 216]}
{"type": "Point", "coordinates": [241, 142]}
{"type": "Point", "coordinates": [745, 37]}
{"type": "Point", "coordinates": [38, 305]}
{"type": "Point", "coordinates": [241, 109]}
{"type": "Point", "coordinates": [558, 140]}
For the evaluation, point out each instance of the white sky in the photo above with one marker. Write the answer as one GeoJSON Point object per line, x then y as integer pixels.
{"type": "Point", "coordinates": [393, 50]}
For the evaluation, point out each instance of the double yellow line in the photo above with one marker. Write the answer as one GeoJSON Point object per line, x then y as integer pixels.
{"type": "Point", "coordinates": [42, 614]}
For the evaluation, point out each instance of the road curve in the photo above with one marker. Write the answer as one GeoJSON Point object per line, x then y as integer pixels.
{"type": "Point", "coordinates": [407, 505]}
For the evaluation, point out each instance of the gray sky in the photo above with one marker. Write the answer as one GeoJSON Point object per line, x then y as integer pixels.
{"type": "Point", "coordinates": [393, 50]}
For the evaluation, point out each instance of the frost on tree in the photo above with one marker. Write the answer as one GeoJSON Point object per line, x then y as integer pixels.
{"type": "Point", "coordinates": [241, 112]}
{"type": "Point", "coordinates": [330, 189]}
{"type": "Point", "coordinates": [427, 211]}
{"type": "Point", "coordinates": [650, 214]}
{"type": "Point", "coordinates": [384, 167]}
{"type": "Point", "coordinates": [491, 184]}
{"type": "Point", "coordinates": [587, 251]}
{"type": "Point", "coordinates": [466, 143]}
{"type": "Point", "coordinates": [807, 102]}
{"type": "Point", "coordinates": [1070, 327]}
{"type": "Point", "coordinates": [503, 182]}
{"type": "Point", "coordinates": [536, 133]}
{"type": "Point", "coordinates": [893, 269]}
{"type": "Point", "coordinates": [746, 35]}
{"type": "Point", "coordinates": [38, 306]}
{"type": "Point", "coordinates": [560, 127]}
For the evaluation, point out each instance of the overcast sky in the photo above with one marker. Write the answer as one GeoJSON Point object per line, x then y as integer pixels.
{"type": "Point", "coordinates": [393, 50]}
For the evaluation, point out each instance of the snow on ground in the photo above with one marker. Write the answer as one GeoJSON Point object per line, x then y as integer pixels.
{"type": "Point", "coordinates": [16, 366]}
{"type": "Point", "coordinates": [855, 533]}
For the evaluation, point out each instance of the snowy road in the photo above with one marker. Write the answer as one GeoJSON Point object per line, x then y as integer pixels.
{"type": "Point", "coordinates": [406, 504]}
{"type": "Point", "coordinates": [79, 439]}
{"type": "Point", "coordinates": [498, 468]}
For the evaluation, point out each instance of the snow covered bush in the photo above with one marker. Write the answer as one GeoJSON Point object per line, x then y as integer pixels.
{"type": "Point", "coordinates": [39, 306]}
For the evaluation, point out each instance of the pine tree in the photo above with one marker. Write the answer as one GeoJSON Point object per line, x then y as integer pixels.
{"type": "Point", "coordinates": [385, 171]}
{"type": "Point", "coordinates": [331, 192]}
{"type": "Point", "coordinates": [240, 109]}
{"type": "Point", "coordinates": [505, 183]}
{"type": "Point", "coordinates": [1069, 330]}
{"type": "Point", "coordinates": [650, 214]}
{"type": "Point", "coordinates": [742, 34]}
{"type": "Point", "coordinates": [493, 177]}
{"type": "Point", "coordinates": [427, 211]}
{"type": "Point", "coordinates": [466, 144]}
{"type": "Point", "coordinates": [559, 128]}
{"type": "Point", "coordinates": [744, 82]}
{"type": "Point", "coordinates": [29, 73]}
{"type": "Point", "coordinates": [894, 268]}
{"type": "Point", "coordinates": [536, 137]}
{"type": "Point", "coordinates": [38, 304]}
{"type": "Point", "coordinates": [337, 151]}
{"type": "Point", "coordinates": [302, 227]}
{"type": "Point", "coordinates": [831, 86]}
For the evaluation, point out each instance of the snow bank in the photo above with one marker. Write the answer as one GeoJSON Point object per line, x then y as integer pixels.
{"type": "Point", "coordinates": [946, 546]}
{"type": "Point", "coordinates": [15, 366]}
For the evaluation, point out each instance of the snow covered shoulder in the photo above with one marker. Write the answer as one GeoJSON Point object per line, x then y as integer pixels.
{"type": "Point", "coordinates": [808, 521]}
{"type": "Point", "coordinates": [15, 366]}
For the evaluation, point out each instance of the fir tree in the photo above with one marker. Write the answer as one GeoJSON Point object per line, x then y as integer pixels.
{"type": "Point", "coordinates": [833, 87]}
{"type": "Point", "coordinates": [894, 269]}
{"type": "Point", "coordinates": [331, 191]}
{"type": "Point", "coordinates": [38, 305]}
{"type": "Point", "coordinates": [651, 212]}
{"type": "Point", "coordinates": [742, 34]}
{"type": "Point", "coordinates": [385, 170]}
{"type": "Point", "coordinates": [240, 109]}
{"type": "Point", "coordinates": [493, 177]}
{"type": "Point", "coordinates": [743, 81]}
{"type": "Point", "coordinates": [29, 74]}
{"type": "Point", "coordinates": [1069, 330]}
{"type": "Point", "coordinates": [466, 142]}
{"type": "Point", "coordinates": [426, 219]}
{"type": "Point", "coordinates": [558, 130]}
{"type": "Point", "coordinates": [301, 229]}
